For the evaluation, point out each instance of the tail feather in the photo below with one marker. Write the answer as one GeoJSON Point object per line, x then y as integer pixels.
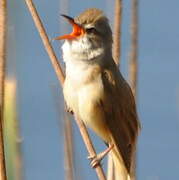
{"type": "Point", "coordinates": [121, 172]}
{"type": "Point", "coordinates": [119, 167]}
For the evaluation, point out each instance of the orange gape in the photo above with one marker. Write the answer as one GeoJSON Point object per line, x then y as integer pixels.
{"type": "Point", "coordinates": [77, 30]}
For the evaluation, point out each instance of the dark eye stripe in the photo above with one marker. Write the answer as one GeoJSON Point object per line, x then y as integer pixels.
{"type": "Point", "coordinates": [91, 30]}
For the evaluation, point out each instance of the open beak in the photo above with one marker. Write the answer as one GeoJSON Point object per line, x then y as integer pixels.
{"type": "Point", "coordinates": [77, 30]}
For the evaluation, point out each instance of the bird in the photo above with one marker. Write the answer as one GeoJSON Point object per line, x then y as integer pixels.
{"type": "Point", "coordinates": [95, 90]}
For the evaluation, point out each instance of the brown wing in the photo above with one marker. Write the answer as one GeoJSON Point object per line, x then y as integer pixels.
{"type": "Point", "coordinates": [120, 113]}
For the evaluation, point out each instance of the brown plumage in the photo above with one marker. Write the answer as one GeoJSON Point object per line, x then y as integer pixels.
{"type": "Point", "coordinates": [96, 91]}
{"type": "Point", "coordinates": [119, 107]}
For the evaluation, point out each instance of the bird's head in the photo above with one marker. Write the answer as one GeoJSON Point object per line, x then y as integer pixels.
{"type": "Point", "coordinates": [91, 31]}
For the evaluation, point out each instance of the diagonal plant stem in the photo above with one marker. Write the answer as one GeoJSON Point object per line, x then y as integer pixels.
{"type": "Point", "coordinates": [60, 75]}
{"type": "Point", "coordinates": [3, 30]}
{"type": "Point", "coordinates": [46, 42]}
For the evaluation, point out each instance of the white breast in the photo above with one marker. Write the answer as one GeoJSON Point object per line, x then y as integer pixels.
{"type": "Point", "coordinates": [81, 95]}
{"type": "Point", "coordinates": [76, 91]}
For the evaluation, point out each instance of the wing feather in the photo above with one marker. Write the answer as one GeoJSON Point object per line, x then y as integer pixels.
{"type": "Point", "coordinates": [119, 108]}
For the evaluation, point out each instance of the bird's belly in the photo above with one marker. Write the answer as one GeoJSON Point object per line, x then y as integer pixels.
{"type": "Point", "coordinates": [85, 102]}
{"type": "Point", "coordinates": [91, 112]}
{"type": "Point", "coordinates": [89, 97]}
{"type": "Point", "coordinates": [83, 98]}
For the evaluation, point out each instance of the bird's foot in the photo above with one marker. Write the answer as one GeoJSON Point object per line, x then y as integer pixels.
{"type": "Point", "coordinates": [96, 159]}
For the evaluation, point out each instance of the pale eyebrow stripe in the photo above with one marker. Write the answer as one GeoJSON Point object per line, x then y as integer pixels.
{"type": "Point", "coordinates": [89, 26]}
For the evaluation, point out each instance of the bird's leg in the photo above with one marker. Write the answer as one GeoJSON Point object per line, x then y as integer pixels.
{"type": "Point", "coordinates": [95, 160]}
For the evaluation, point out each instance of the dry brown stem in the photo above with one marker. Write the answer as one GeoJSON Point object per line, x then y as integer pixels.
{"type": "Point", "coordinates": [116, 56]}
{"type": "Point", "coordinates": [89, 146]}
{"type": "Point", "coordinates": [3, 30]}
{"type": "Point", "coordinates": [45, 40]}
{"type": "Point", "coordinates": [68, 147]}
{"type": "Point", "coordinates": [117, 31]}
{"type": "Point", "coordinates": [60, 76]}
{"type": "Point", "coordinates": [133, 69]}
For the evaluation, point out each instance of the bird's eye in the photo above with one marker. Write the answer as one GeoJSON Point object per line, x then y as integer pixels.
{"type": "Point", "coordinates": [91, 30]}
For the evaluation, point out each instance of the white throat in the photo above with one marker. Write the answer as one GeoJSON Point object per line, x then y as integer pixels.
{"type": "Point", "coordinates": [81, 50]}
{"type": "Point", "coordinates": [79, 57]}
